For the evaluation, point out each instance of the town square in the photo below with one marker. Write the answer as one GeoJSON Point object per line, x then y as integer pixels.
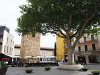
{"type": "Point", "coordinates": [50, 37]}
{"type": "Point", "coordinates": [53, 71]}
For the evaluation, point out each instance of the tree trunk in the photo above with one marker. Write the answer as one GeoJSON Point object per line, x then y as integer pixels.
{"type": "Point", "coordinates": [70, 55]}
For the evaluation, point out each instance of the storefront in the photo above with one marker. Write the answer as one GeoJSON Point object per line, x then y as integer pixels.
{"type": "Point", "coordinates": [88, 57]}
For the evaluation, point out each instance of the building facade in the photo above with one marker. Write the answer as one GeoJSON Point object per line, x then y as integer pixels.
{"type": "Point", "coordinates": [30, 46]}
{"type": "Point", "coordinates": [88, 49]}
{"type": "Point", "coordinates": [6, 41]}
{"type": "Point", "coordinates": [61, 50]}
{"type": "Point", "coordinates": [44, 51]}
{"type": "Point", "coordinates": [16, 51]}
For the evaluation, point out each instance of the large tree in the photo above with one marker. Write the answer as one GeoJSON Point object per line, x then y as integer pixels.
{"type": "Point", "coordinates": [67, 18]}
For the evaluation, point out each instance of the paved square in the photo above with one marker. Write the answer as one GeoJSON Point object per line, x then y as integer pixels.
{"type": "Point", "coordinates": [41, 71]}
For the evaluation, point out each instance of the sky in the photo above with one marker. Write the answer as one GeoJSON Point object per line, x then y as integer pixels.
{"type": "Point", "coordinates": [9, 12]}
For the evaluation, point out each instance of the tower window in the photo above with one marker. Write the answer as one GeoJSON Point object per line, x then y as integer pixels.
{"type": "Point", "coordinates": [92, 37]}
{"type": "Point", "coordinates": [93, 47]}
{"type": "Point", "coordinates": [79, 48]}
{"type": "Point", "coordinates": [86, 48]}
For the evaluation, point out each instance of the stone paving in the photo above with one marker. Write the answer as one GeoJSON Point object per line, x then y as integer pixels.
{"type": "Point", "coordinates": [53, 71]}
{"type": "Point", "coordinates": [93, 67]}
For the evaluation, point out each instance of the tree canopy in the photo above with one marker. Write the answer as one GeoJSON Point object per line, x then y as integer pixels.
{"type": "Point", "coordinates": [59, 16]}
{"type": "Point", "coordinates": [66, 18]}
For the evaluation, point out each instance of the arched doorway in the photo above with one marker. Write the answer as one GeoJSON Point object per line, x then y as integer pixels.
{"type": "Point", "coordinates": [92, 59]}
{"type": "Point", "coordinates": [82, 59]}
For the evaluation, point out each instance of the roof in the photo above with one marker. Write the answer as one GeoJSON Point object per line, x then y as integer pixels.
{"type": "Point", "coordinates": [2, 28]}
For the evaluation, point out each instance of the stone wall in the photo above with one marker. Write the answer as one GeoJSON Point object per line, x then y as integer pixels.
{"type": "Point", "coordinates": [30, 46]}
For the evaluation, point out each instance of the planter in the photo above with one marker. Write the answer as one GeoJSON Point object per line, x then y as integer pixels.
{"type": "Point", "coordinates": [83, 69]}
{"type": "Point", "coordinates": [3, 68]}
{"type": "Point", "coordinates": [96, 72]}
{"type": "Point", "coordinates": [28, 70]}
{"type": "Point", "coordinates": [3, 71]}
{"type": "Point", "coordinates": [47, 68]}
{"type": "Point", "coordinates": [70, 67]}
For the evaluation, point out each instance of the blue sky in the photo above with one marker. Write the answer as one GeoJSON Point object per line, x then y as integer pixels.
{"type": "Point", "coordinates": [9, 12]}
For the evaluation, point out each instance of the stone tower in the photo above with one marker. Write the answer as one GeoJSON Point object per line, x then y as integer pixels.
{"type": "Point", "coordinates": [30, 46]}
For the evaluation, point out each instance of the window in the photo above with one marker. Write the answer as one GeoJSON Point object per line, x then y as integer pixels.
{"type": "Point", "coordinates": [4, 48]}
{"type": "Point", "coordinates": [40, 59]}
{"type": "Point", "coordinates": [7, 49]}
{"type": "Point", "coordinates": [0, 47]}
{"type": "Point", "coordinates": [7, 39]}
{"type": "Point", "coordinates": [79, 48]}
{"type": "Point", "coordinates": [11, 41]}
{"type": "Point", "coordinates": [85, 47]}
{"type": "Point", "coordinates": [10, 48]}
{"type": "Point", "coordinates": [93, 47]}
{"type": "Point", "coordinates": [92, 37]}
{"type": "Point", "coordinates": [0, 43]}
{"type": "Point", "coordinates": [84, 39]}
{"type": "Point", "coordinates": [1, 39]}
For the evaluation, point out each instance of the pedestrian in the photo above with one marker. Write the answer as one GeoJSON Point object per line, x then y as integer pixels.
{"type": "Point", "coordinates": [63, 61]}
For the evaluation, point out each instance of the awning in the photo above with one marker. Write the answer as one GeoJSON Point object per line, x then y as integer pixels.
{"type": "Point", "coordinates": [3, 55]}
{"type": "Point", "coordinates": [4, 58]}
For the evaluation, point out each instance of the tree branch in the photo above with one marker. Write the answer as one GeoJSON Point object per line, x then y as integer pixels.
{"type": "Point", "coordinates": [70, 21]}
{"type": "Point", "coordinates": [60, 35]}
{"type": "Point", "coordinates": [80, 32]}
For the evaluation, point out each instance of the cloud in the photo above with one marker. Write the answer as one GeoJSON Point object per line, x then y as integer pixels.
{"type": "Point", "coordinates": [9, 12]}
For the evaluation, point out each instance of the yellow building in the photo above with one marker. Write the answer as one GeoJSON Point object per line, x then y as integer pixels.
{"type": "Point", "coordinates": [61, 51]}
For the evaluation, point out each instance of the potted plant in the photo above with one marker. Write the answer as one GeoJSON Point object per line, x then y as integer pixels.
{"type": "Point", "coordinates": [84, 69]}
{"type": "Point", "coordinates": [3, 68]}
{"type": "Point", "coordinates": [29, 70]}
{"type": "Point", "coordinates": [47, 68]}
{"type": "Point", "coordinates": [97, 72]}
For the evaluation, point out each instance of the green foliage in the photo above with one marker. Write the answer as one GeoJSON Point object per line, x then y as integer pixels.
{"type": "Point", "coordinates": [83, 69]}
{"type": "Point", "coordinates": [55, 16]}
{"type": "Point", "coordinates": [2, 64]}
{"type": "Point", "coordinates": [97, 72]}
{"type": "Point", "coordinates": [28, 70]}
{"type": "Point", "coordinates": [47, 68]}
{"type": "Point", "coordinates": [67, 18]}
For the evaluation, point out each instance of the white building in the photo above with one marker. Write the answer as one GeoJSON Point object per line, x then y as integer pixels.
{"type": "Point", "coordinates": [16, 50]}
{"type": "Point", "coordinates": [46, 51]}
{"type": "Point", "coordinates": [16, 53]}
{"type": "Point", "coordinates": [6, 41]}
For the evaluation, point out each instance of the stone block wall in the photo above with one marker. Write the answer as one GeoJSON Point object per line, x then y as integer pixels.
{"type": "Point", "coordinates": [30, 46]}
